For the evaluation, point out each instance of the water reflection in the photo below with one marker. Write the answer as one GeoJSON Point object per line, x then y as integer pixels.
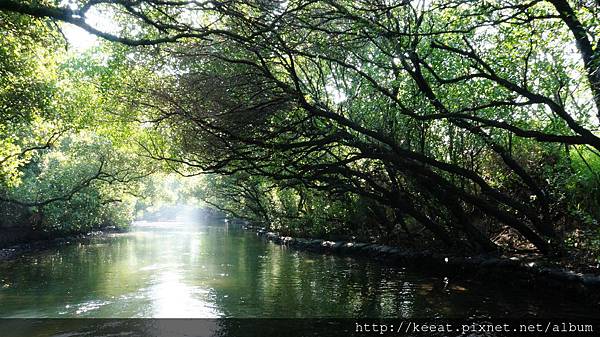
{"type": "Point", "coordinates": [186, 270]}
{"type": "Point", "coordinates": [172, 298]}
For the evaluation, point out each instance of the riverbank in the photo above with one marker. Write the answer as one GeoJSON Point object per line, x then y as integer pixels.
{"type": "Point", "coordinates": [14, 251]}
{"type": "Point", "coordinates": [521, 271]}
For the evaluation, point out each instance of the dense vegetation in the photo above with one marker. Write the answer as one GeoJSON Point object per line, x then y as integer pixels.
{"type": "Point", "coordinates": [66, 162]}
{"type": "Point", "coordinates": [469, 125]}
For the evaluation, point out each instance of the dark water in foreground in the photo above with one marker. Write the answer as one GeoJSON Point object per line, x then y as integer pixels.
{"type": "Point", "coordinates": [171, 269]}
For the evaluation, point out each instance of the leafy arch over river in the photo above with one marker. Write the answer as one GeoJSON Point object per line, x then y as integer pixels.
{"type": "Point", "coordinates": [472, 126]}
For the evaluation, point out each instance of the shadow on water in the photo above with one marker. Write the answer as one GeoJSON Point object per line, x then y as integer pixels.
{"type": "Point", "coordinates": [175, 327]}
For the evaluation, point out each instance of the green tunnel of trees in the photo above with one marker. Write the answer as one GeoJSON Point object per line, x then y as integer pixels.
{"type": "Point", "coordinates": [468, 125]}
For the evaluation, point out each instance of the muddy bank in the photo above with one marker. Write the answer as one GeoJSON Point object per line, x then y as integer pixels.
{"type": "Point", "coordinates": [17, 250]}
{"type": "Point", "coordinates": [512, 271]}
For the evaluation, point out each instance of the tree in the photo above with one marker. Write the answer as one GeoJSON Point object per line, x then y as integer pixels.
{"type": "Point", "coordinates": [68, 157]}
{"type": "Point", "coordinates": [440, 112]}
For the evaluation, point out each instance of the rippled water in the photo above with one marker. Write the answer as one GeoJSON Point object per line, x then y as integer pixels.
{"type": "Point", "coordinates": [173, 269]}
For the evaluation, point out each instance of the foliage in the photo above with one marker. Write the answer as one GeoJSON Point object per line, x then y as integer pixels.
{"type": "Point", "coordinates": [27, 90]}
{"type": "Point", "coordinates": [461, 119]}
{"type": "Point", "coordinates": [69, 159]}
{"type": "Point", "coordinates": [454, 121]}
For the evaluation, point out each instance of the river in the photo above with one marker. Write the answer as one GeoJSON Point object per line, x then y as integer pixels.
{"type": "Point", "coordinates": [182, 269]}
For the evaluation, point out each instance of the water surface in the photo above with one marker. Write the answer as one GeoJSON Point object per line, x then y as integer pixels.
{"type": "Point", "coordinates": [177, 269]}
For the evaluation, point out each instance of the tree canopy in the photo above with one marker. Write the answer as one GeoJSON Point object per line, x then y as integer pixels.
{"type": "Point", "coordinates": [459, 123]}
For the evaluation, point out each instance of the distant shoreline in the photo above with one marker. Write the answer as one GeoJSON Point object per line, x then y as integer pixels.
{"type": "Point", "coordinates": [17, 250]}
